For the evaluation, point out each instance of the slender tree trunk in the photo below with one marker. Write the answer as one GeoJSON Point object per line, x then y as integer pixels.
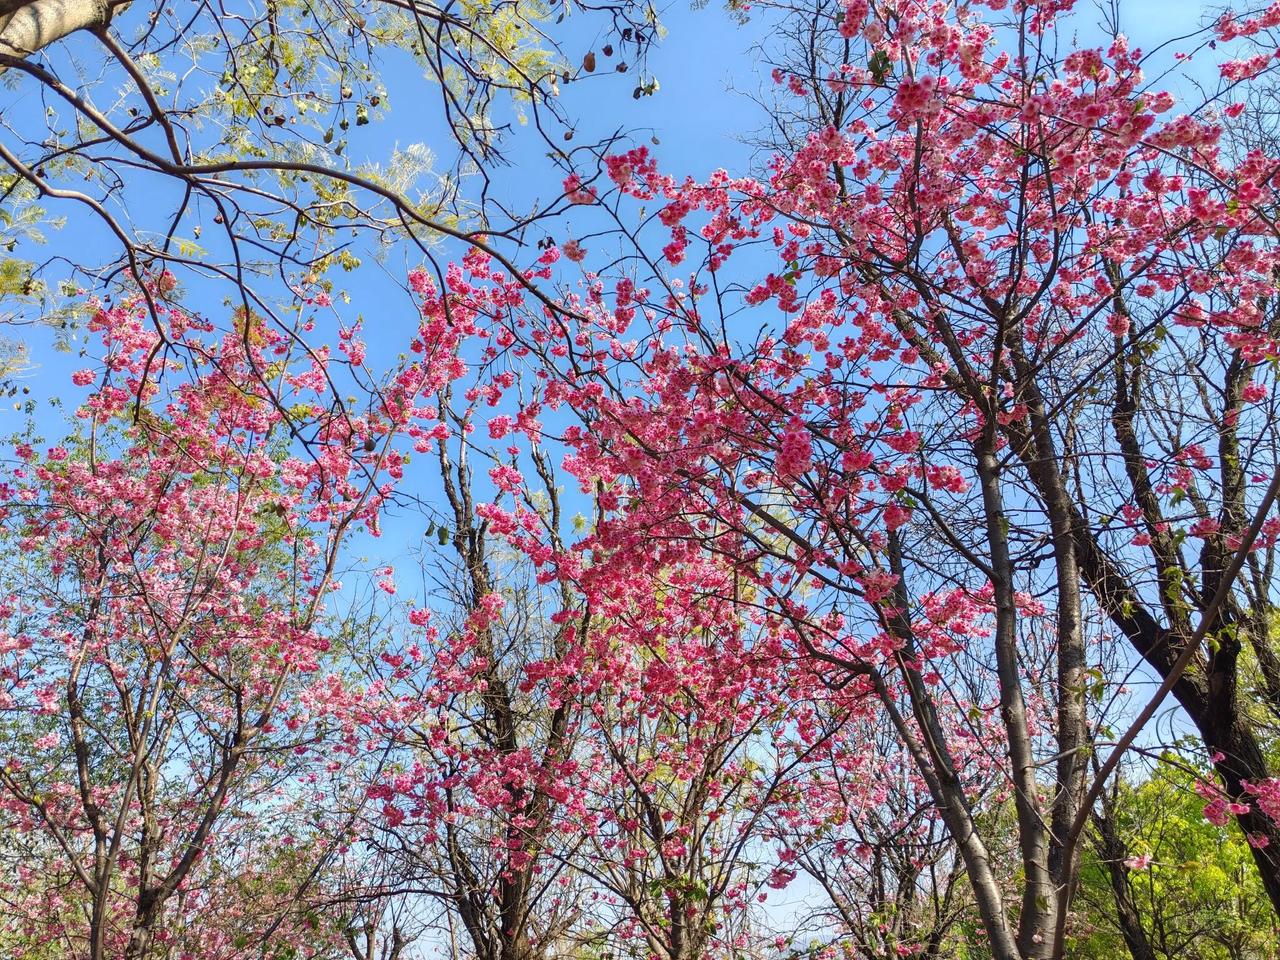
{"type": "Point", "coordinates": [937, 768]}
{"type": "Point", "coordinates": [1039, 895]}
{"type": "Point", "coordinates": [1073, 730]}
{"type": "Point", "coordinates": [1113, 854]}
{"type": "Point", "coordinates": [98, 925]}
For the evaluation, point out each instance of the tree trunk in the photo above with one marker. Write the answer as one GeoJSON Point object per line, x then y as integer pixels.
{"type": "Point", "coordinates": [1231, 735]}
{"type": "Point", "coordinates": [1207, 691]}
{"type": "Point", "coordinates": [1073, 730]}
{"type": "Point", "coordinates": [1113, 853]}
{"type": "Point", "coordinates": [1039, 895]}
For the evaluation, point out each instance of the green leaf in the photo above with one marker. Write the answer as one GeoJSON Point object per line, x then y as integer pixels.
{"type": "Point", "coordinates": [879, 66]}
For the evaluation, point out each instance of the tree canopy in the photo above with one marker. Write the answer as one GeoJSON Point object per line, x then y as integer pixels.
{"type": "Point", "coordinates": [446, 526]}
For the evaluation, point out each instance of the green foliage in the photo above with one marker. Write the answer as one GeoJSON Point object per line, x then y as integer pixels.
{"type": "Point", "coordinates": [1200, 899]}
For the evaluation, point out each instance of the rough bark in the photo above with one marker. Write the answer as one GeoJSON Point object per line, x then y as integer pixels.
{"type": "Point", "coordinates": [28, 26]}
{"type": "Point", "coordinates": [1073, 732]}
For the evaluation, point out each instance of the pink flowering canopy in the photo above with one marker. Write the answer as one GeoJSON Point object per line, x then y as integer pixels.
{"type": "Point", "coordinates": [847, 568]}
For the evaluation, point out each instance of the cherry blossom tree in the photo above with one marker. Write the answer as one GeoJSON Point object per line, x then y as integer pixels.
{"type": "Point", "coordinates": [474, 801]}
{"type": "Point", "coordinates": [887, 871]}
{"type": "Point", "coordinates": [164, 643]}
{"type": "Point", "coordinates": [999, 401]}
{"type": "Point", "coordinates": [689, 753]}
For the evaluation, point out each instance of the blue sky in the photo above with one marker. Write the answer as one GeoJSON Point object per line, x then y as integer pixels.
{"type": "Point", "coordinates": [697, 116]}
{"type": "Point", "coordinates": [708, 66]}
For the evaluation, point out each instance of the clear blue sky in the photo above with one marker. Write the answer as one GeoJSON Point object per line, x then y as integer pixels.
{"type": "Point", "coordinates": [707, 69]}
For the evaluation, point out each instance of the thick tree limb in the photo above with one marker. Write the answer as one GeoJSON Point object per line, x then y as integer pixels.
{"type": "Point", "coordinates": [28, 26]}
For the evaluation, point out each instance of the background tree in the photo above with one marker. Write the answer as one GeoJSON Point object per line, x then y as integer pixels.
{"type": "Point", "coordinates": [163, 639]}
{"type": "Point", "coordinates": [238, 148]}
{"type": "Point", "coordinates": [688, 757]}
{"type": "Point", "coordinates": [888, 874]}
{"type": "Point", "coordinates": [1189, 883]}
{"type": "Point", "coordinates": [478, 787]}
